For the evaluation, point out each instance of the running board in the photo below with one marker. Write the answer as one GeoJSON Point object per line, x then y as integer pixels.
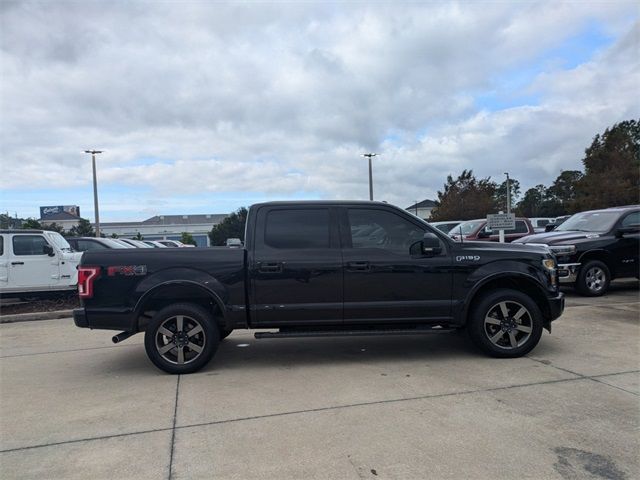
{"type": "Point", "coordinates": [351, 333]}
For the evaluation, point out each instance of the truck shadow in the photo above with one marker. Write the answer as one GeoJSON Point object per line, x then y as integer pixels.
{"type": "Point", "coordinates": [241, 351]}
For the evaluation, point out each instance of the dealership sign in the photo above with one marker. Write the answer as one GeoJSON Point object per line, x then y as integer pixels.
{"type": "Point", "coordinates": [501, 221]}
{"type": "Point", "coordinates": [46, 212]}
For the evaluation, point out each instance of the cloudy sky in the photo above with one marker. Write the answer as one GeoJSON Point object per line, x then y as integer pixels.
{"type": "Point", "coordinates": [203, 107]}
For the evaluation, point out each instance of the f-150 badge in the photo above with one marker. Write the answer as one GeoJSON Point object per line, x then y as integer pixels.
{"type": "Point", "coordinates": [471, 258]}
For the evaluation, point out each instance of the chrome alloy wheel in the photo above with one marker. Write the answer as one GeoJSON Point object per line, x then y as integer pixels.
{"type": "Point", "coordinates": [180, 339]}
{"type": "Point", "coordinates": [595, 279]}
{"type": "Point", "coordinates": [508, 325]}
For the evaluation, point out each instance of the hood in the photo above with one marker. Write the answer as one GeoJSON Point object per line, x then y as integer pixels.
{"type": "Point", "coordinates": [555, 238]}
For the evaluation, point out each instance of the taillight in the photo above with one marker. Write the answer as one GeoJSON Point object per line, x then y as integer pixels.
{"type": "Point", "coordinates": [86, 277]}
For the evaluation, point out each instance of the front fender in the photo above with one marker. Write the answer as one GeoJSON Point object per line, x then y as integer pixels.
{"type": "Point", "coordinates": [501, 273]}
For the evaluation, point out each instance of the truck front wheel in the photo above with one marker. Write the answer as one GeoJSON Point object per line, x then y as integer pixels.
{"type": "Point", "coordinates": [505, 323]}
{"type": "Point", "coordinates": [593, 279]}
{"type": "Point", "coordinates": [181, 338]}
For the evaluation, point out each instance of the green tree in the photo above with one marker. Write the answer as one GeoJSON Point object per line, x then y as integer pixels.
{"type": "Point", "coordinates": [538, 202]}
{"type": "Point", "coordinates": [465, 198]}
{"type": "Point", "coordinates": [612, 169]}
{"type": "Point", "coordinates": [501, 194]}
{"type": "Point", "coordinates": [83, 229]}
{"type": "Point", "coordinates": [31, 224]}
{"type": "Point", "coordinates": [563, 189]}
{"type": "Point", "coordinates": [138, 236]}
{"type": "Point", "coordinates": [54, 227]}
{"type": "Point", "coordinates": [5, 220]}
{"type": "Point", "coordinates": [187, 239]}
{"type": "Point", "coordinates": [114, 235]}
{"type": "Point", "coordinates": [230, 227]}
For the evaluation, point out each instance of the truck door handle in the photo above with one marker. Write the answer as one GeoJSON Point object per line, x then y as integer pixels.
{"type": "Point", "coordinates": [17, 263]}
{"type": "Point", "coordinates": [270, 267]}
{"type": "Point", "coordinates": [359, 266]}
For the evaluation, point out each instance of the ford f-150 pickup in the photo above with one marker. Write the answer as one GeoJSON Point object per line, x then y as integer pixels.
{"type": "Point", "coordinates": [321, 269]}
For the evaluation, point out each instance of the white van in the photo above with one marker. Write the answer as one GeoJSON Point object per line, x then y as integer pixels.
{"type": "Point", "coordinates": [35, 261]}
{"type": "Point", "coordinates": [539, 223]}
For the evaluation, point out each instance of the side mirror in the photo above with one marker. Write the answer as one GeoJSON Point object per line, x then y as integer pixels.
{"type": "Point", "coordinates": [48, 249]}
{"type": "Point", "coordinates": [429, 246]}
{"type": "Point", "coordinates": [628, 229]}
{"type": "Point", "coordinates": [483, 234]}
{"type": "Point", "coordinates": [549, 227]}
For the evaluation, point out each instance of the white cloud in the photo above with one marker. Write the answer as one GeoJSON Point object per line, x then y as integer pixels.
{"type": "Point", "coordinates": [282, 98]}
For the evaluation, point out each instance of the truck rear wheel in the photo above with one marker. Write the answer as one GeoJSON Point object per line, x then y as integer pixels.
{"type": "Point", "coordinates": [505, 323]}
{"type": "Point", "coordinates": [181, 338]}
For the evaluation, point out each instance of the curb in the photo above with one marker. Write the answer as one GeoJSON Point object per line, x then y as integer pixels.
{"type": "Point", "coordinates": [35, 316]}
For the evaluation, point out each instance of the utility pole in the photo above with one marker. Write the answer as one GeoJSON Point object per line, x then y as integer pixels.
{"type": "Point", "coordinates": [95, 188]}
{"type": "Point", "coordinates": [370, 156]}
{"type": "Point", "coordinates": [508, 193]}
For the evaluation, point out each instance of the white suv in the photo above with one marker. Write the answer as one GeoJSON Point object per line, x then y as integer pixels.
{"type": "Point", "coordinates": [34, 261]}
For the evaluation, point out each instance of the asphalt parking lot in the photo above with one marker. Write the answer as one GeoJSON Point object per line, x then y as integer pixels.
{"type": "Point", "coordinates": [73, 405]}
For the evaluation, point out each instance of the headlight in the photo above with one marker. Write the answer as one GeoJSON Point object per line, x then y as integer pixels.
{"type": "Point", "coordinates": [549, 264]}
{"type": "Point", "coordinates": [563, 250]}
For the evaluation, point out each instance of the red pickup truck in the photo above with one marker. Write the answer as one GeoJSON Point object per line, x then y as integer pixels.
{"type": "Point", "coordinates": [477, 230]}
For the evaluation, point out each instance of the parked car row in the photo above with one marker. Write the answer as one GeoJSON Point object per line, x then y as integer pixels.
{"type": "Point", "coordinates": [40, 262]}
{"type": "Point", "coordinates": [82, 244]}
{"type": "Point", "coordinates": [592, 248]}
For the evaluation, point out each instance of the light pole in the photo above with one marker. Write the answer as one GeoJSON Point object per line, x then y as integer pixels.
{"type": "Point", "coordinates": [95, 188]}
{"type": "Point", "coordinates": [370, 156]}
{"type": "Point", "coordinates": [508, 193]}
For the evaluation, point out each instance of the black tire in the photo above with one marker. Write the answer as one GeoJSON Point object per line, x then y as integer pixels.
{"type": "Point", "coordinates": [593, 279]}
{"type": "Point", "coordinates": [224, 333]}
{"type": "Point", "coordinates": [486, 322]}
{"type": "Point", "coordinates": [163, 331]}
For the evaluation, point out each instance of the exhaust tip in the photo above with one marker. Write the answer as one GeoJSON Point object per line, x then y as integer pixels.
{"type": "Point", "coordinates": [121, 336]}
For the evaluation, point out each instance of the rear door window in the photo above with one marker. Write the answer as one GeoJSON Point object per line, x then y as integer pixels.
{"type": "Point", "coordinates": [297, 229]}
{"type": "Point", "coordinates": [29, 245]}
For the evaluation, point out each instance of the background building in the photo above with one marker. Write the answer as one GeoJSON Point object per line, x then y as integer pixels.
{"type": "Point", "coordinates": [169, 227]}
{"type": "Point", "coordinates": [422, 209]}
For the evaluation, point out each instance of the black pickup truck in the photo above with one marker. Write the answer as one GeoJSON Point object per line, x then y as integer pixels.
{"type": "Point", "coordinates": [321, 269]}
{"type": "Point", "coordinates": [594, 247]}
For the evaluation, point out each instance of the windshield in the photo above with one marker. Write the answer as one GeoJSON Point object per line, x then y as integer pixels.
{"type": "Point", "coordinates": [598, 222]}
{"type": "Point", "coordinates": [59, 241]}
{"type": "Point", "coordinates": [466, 227]}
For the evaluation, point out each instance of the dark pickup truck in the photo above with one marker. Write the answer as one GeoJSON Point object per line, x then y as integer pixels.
{"type": "Point", "coordinates": [594, 247]}
{"type": "Point", "coordinates": [321, 269]}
